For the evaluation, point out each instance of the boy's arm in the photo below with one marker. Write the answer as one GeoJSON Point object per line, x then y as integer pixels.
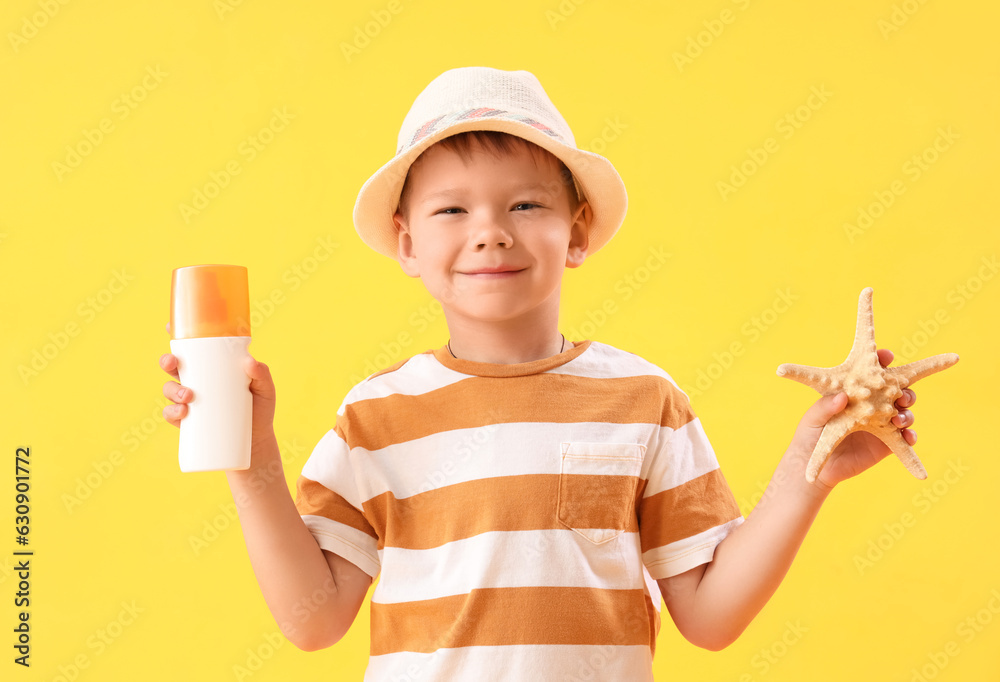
{"type": "Point", "coordinates": [713, 603]}
{"type": "Point", "coordinates": [314, 595]}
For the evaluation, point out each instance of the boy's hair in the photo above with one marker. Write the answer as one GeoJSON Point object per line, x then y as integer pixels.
{"type": "Point", "coordinates": [499, 144]}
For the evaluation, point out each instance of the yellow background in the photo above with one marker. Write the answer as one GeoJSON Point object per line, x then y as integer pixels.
{"type": "Point", "coordinates": [673, 129]}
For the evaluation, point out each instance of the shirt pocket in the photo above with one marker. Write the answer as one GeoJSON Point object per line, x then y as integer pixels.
{"type": "Point", "coordinates": [597, 487]}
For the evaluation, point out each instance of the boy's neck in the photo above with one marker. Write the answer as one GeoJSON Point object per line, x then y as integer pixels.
{"type": "Point", "coordinates": [506, 346]}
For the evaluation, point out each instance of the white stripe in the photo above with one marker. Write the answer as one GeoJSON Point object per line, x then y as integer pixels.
{"type": "Point", "coordinates": [688, 454]}
{"type": "Point", "coordinates": [344, 541]}
{"type": "Point", "coordinates": [331, 464]}
{"type": "Point", "coordinates": [421, 373]}
{"type": "Point", "coordinates": [512, 449]}
{"type": "Point", "coordinates": [537, 558]}
{"type": "Point", "coordinates": [602, 361]}
{"type": "Point", "coordinates": [652, 588]}
{"type": "Point", "coordinates": [683, 555]}
{"type": "Point", "coordinates": [555, 662]}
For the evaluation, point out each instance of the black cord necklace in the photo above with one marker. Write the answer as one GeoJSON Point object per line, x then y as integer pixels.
{"type": "Point", "coordinates": [561, 347]}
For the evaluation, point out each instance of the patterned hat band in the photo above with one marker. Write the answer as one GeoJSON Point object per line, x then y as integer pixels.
{"type": "Point", "coordinates": [486, 113]}
{"type": "Point", "coordinates": [446, 120]}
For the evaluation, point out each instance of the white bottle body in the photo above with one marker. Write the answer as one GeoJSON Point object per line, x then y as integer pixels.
{"type": "Point", "coordinates": [216, 432]}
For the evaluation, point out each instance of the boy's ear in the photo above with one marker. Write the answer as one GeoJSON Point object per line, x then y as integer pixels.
{"type": "Point", "coordinates": [579, 235]}
{"type": "Point", "coordinates": [404, 248]}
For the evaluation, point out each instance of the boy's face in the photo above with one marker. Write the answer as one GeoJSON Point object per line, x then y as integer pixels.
{"type": "Point", "coordinates": [512, 212]}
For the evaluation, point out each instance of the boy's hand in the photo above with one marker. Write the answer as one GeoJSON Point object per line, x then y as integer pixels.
{"type": "Point", "coordinates": [261, 386]}
{"type": "Point", "coordinates": [860, 450]}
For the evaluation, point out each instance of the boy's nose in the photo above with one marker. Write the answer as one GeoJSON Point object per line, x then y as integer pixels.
{"type": "Point", "coordinates": [503, 243]}
{"type": "Point", "coordinates": [499, 240]}
{"type": "Point", "coordinates": [492, 231]}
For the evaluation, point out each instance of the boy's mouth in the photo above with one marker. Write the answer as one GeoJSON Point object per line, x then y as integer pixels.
{"type": "Point", "coordinates": [500, 271]}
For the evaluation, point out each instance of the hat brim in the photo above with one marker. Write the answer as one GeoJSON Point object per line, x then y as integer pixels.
{"type": "Point", "coordinates": [599, 181]}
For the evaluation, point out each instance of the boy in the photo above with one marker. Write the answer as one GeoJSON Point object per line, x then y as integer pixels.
{"type": "Point", "coordinates": [526, 499]}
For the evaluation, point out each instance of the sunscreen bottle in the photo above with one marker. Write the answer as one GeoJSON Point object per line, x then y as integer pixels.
{"type": "Point", "coordinates": [209, 334]}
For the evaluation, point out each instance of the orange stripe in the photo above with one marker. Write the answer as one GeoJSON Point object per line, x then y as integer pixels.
{"type": "Point", "coordinates": [529, 502]}
{"type": "Point", "coordinates": [688, 509]}
{"type": "Point", "coordinates": [315, 498]}
{"type": "Point", "coordinates": [503, 503]}
{"type": "Point", "coordinates": [375, 423]}
{"type": "Point", "coordinates": [510, 616]}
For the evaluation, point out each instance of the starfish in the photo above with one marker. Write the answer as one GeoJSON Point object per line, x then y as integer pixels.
{"type": "Point", "coordinates": [871, 390]}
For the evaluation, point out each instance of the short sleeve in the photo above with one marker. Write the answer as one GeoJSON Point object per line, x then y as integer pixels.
{"type": "Point", "coordinates": [687, 507]}
{"type": "Point", "coordinates": [329, 501]}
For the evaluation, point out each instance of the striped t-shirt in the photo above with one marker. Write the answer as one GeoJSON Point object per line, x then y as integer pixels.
{"type": "Point", "coordinates": [519, 514]}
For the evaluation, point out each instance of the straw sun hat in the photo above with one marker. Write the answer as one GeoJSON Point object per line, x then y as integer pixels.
{"type": "Point", "coordinates": [483, 98]}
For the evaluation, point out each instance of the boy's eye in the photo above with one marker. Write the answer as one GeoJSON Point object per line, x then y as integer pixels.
{"type": "Point", "coordinates": [454, 209]}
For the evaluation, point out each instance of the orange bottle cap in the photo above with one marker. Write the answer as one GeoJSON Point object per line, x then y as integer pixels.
{"type": "Point", "coordinates": [209, 300]}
